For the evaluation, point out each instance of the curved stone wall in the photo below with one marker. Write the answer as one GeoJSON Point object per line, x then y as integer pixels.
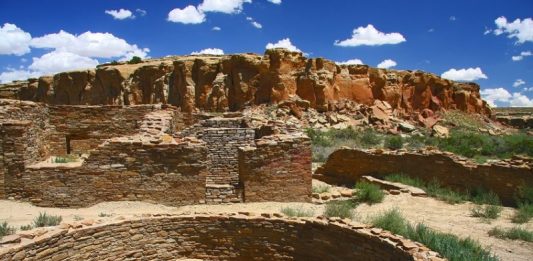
{"type": "Point", "coordinates": [219, 237]}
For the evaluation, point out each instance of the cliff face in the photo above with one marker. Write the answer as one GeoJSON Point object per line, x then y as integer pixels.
{"type": "Point", "coordinates": [231, 82]}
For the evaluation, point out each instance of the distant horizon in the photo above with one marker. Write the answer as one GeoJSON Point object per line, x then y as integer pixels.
{"type": "Point", "coordinates": [486, 42]}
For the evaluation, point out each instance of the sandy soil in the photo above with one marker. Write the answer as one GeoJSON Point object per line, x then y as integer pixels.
{"type": "Point", "coordinates": [441, 216]}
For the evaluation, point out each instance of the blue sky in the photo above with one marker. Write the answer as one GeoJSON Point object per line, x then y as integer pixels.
{"type": "Point", "coordinates": [434, 36]}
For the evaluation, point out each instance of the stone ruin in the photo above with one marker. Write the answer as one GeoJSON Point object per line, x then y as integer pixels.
{"type": "Point", "coordinates": [150, 153]}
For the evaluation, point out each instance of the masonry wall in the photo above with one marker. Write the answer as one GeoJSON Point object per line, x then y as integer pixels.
{"type": "Point", "coordinates": [210, 237]}
{"type": "Point", "coordinates": [171, 174]}
{"type": "Point", "coordinates": [348, 165]}
{"type": "Point", "coordinates": [278, 168]}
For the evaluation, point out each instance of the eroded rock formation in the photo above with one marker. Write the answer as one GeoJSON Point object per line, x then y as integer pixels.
{"type": "Point", "coordinates": [231, 82]}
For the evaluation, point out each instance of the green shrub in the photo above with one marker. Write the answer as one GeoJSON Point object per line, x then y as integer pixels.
{"type": "Point", "coordinates": [394, 142]}
{"type": "Point", "coordinates": [483, 196]}
{"type": "Point", "coordinates": [369, 138]}
{"type": "Point", "coordinates": [321, 188]}
{"type": "Point", "coordinates": [486, 211]}
{"type": "Point", "coordinates": [523, 214]}
{"type": "Point", "coordinates": [434, 189]}
{"type": "Point", "coordinates": [524, 195]}
{"type": "Point", "coordinates": [64, 159]}
{"type": "Point", "coordinates": [404, 179]}
{"type": "Point", "coordinates": [78, 218]}
{"type": "Point", "coordinates": [6, 229]}
{"type": "Point", "coordinates": [45, 220]}
{"type": "Point", "coordinates": [369, 193]}
{"type": "Point", "coordinates": [513, 233]}
{"type": "Point", "coordinates": [102, 214]}
{"type": "Point", "coordinates": [450, 246]}
{"type": "Point", "coordinates": [134, 60]}
{"type": "Point", "coordinates": [297, 212]}
{"type": "Point", "coordinates": [26, 227]}
{"type": "Point", "coordinates": [337, 208]}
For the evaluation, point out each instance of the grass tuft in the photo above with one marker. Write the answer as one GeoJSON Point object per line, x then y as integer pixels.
{"type": "Point", "coordinates": [6, 229]}
{"type": "Point", "coordinates": [394, 142]}
{"type": "Point", "coordinates": [45, 220]}
{"type": "Point", "coordinates": [448, 245]}
{"type": "Point", "coordinates": [523, 214]}
{"type": "Point", "coordinates": [26, 227]}
{"type": "Point", "coordinates": [515, 233]}
{"type": "Point", "coordinates": [297, 212]}
{"type": "Point", "coordinates": [434, 189]}
{"type": "Point", "coordinates": [321, 189]}
{"type": "Point", "coordinates": [369, 193]}
{"type": "Point", "coordinates": [342, 209]}
{"type": "Point", "coordinates": [486, 211]}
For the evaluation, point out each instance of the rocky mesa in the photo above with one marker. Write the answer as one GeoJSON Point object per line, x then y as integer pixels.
{"type": "Point", "coordinates": [232, 82]}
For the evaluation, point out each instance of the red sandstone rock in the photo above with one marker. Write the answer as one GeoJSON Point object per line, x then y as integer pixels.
{"type": "Point", "coordinates": [231, 82]}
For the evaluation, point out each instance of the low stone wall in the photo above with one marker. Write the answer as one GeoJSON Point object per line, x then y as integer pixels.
{"type": "Point", "coordinates": [503, 178]}
{"type": "Point", "coordinates": [220, 237]}
{"type": "Point", "coordinates": [121, 169]}
{"type": "Point", "coordinates": [277, 169]}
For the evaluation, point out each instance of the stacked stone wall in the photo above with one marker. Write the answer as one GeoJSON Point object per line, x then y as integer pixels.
{"type": "Point", "coordinates": [168, 173]}
{"type": "Point", "coordinates": [277, 169]}
{"type": "Point", "coordinates": [212, 237]}
{"type": "Point", "coordinates": [503, 178]}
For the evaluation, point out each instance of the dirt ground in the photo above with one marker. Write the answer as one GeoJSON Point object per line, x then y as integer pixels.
{"type": "Point", "coordinates": [436, 214]}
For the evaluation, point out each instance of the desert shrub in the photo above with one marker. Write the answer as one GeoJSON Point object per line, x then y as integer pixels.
{"type": "Point", "coordinates": [450, 246]}
{"type": "Point", "coordinates": [369, 138]}
{"type": "Point", "coordinates": [114, 62]}
{"type": "Point", "coordinates": [297, 212]}
{"type": "Point", "coordinates": [524, 195]}
{"type": "Point", "coordinates": [78, 218]}
{"type": "Point", "coordinates": [321, 188]}
{"type": "Point", "coordinates": [26, 227]}
{"type": "Point", "coordinates": [523, 214]}
{"type": "Point", "coordinates": [102, 214]}
{"type": "Point", "coordinates": [404, 179]}
{"type": "Point", "coordinates": [486, 211]}
{"type": "Point", "coordinates": [483, 196]}
{"type": "Point", "coordinates": [369, 193]}
{"type": "Point", "coordinates": [338, 208]}
{"type": "Point", "coordinates": [512, 233]}
{"type": "Point", "coordinates": [134, 60]}
{"type": "Point", "coordinates": [394, 142]}
{"type": "Point", "coordinates": [6, 229]}
{"type": "Point", "coordinates": [45, 220]}
{"type": "Point", "coordinates": [64, 159]}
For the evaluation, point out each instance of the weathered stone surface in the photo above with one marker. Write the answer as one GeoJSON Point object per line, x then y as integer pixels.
{"type": "Point", "coordinates": [221, 237]}
{"type": "Point", "coordinates": [230, 82]}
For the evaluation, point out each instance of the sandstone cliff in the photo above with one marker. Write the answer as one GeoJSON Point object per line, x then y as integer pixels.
{"type": "Point", "coordinates": [231, 82]}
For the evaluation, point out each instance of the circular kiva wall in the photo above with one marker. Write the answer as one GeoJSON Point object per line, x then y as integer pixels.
{"type": "Point", "coordinates": [217, 237]}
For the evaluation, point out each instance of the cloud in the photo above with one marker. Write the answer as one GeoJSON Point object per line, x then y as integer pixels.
{"type": "Point", "coordinates": [350, 62]}
{"type": "Point", "coordinates": [502, 97]}
{"type": "Point", "coordinates": [277, 2]}
{"type": "Point", "coordinates": [59, 61]}
{"type": "Point", "coordinates": [522, 30]}
{"type": "Point", "coordinates": [187, 15]}
{"type": "Point", "coordinates": [431, 30]}
{"type": "Point", "coordinates": [387, 64]}
{"type": "Point", "coordinates": [521, 56]}
{"type": "Point", "coordinates": [530, 89]}
{"type": "Point", "coordinates": [370, 36]}
{"type": "Point", "coordinates": [212, 51]}
{"type": "Point", "coordinates": [50, 63]}
{"type": "Point", "coordinates": [14, 40]}
{"type": "Point", "coordinates": [518, 82]}
{"type": "Point", "coordinates": [453, 18]}
{"type": "Point", "coordinates": [216, 28]}
{"type": "Point", "coordinates": [283, 43]}
{"type": "Point", "coordinates": [141, 12]}
{"type": "Point", "coordinates": [254, 23]}
{"type": "Point", "coordinates": [120, 14]}
{"type": "Point", "coordinates": [470, 74]}
{"type": "Point", "coordinates": [88, 44]}
{"type": "Point", "coordinates": [223, 6]}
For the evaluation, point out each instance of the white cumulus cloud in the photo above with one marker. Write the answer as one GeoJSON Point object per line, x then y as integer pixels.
{"type": "Point", "coordinates": [283, 43]}
{"type": "Point", "coordinates": [369, 35]}
{"type": "Point", "coordinates": [522, 30]}
{"type": "Point", "coordinates": [521, 56]}
{"type": "Point", "coordinates": [502, 97]}
{"type": "Point", "coordinates": [187, 15]}
{"type": "Point", "coordinates": [14, 75]}
{"type": "Point", "coordinates": [388, 63]}
{"type": "Point", "coordinates": [223, 6]}
{"type": "Point", "coordinates": [350, 62]}
{"type": "Point", "coordinates": [14, 40]}
{"type": "Point", "coordinates": [277, 2]}
{"type": "Point", "coordinates": [216, 28]}
{"type": "Point", "coordinates": [141, 12]}
{"type": "Point", "coordinates": [101, 45]}
{"type": "Point", "coordinates": [212, 51]}
{"type": "Point", "coordinates": [518, 83]}
{"type": "Point", "coordinates": [470, 74]}
{"type": "Point", "coordinates": [59, 61]}
{"type": "Point", "coordinates": [120, 14]}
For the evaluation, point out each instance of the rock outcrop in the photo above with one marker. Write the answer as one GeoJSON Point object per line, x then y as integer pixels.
{"type": "Point", "coordinates": [232, 82]}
